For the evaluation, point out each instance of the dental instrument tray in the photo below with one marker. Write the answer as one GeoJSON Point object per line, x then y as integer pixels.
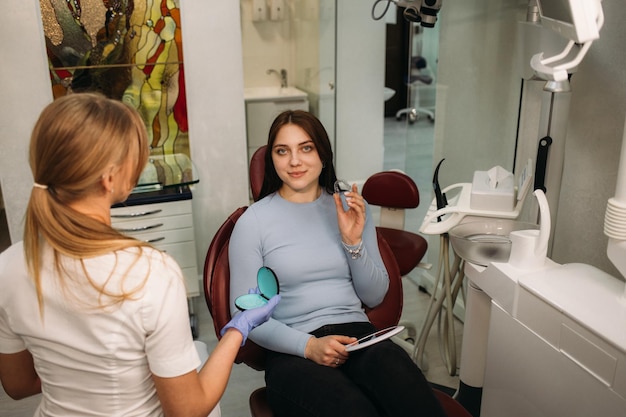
{"type": "Point", "coordinates": [482, 242]}
{"type": "Point", "coordinates": [459, 205]}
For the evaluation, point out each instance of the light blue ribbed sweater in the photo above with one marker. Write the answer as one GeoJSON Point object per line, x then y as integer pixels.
{"type": "Point", "coordinates": [319, 282]}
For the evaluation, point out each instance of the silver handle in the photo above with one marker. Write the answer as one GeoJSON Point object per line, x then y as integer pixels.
{"type": "Point", "coordinates": [133, 215]}
{"type": "Point", "coordinates": [156, 239]}
{"type": "Point", "coordinates": [140, 229]}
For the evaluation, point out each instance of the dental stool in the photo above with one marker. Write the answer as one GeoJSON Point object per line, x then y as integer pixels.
{"type": "Point", "coordinates": [417, 80]}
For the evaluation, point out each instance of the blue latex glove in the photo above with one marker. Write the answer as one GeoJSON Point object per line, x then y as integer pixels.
{"type": "Point", "coordinates": [247, 320]}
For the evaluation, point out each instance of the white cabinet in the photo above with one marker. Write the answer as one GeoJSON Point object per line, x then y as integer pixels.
{"type": "Point", "coordinates": [262, 107]}
{"type": "Point", "coordinates": [168, 226]}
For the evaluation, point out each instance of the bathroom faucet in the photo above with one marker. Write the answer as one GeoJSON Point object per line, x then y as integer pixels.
{"type": "Point", "coordinates": [282, 74]}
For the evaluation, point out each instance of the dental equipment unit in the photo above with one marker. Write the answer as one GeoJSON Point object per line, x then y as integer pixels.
{"type": "Point", "coordinates": [541, 339]}
{"type": "Point", "coordinates": [580, 22]}
{"type": "Point", "coordinates": [417, 11]}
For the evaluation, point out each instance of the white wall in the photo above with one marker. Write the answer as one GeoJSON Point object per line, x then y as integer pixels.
{"type": "Point", "coordinates": [478, 88]}
{"type": "Point", "coordinates": [217, 129]}
{"type": "Point", "coordinates": [592, 148]}
{"type": "Point", "coordinates": [266, 44]}
{"type": "Point", "coordinates": [25, 91]}
{"type": "Point", "coordinates": [360, 90]}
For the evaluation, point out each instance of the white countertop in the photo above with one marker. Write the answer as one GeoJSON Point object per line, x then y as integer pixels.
{"type": "Point", "coordinates": [273, 93]}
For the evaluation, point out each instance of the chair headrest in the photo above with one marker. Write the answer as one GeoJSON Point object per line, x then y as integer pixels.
{"type": "Point", "coordinates": [392, 189]}
{"type": "Point", "coordinates": [257, 171]}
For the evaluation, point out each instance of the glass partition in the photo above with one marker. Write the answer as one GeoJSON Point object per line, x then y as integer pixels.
{"type": "Point", "coordinates": [412, 56]}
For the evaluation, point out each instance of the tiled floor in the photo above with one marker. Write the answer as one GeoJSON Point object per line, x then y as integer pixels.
{"type": "Point", "coordinates": [407, 147]}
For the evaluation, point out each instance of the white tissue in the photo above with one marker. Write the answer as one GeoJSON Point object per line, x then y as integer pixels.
{"type": "Point", "coordinates": [496, 175]}
{"type": "Point", "coordinates": [493, 190]}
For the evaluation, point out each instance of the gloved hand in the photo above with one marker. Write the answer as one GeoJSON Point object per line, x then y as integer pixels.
{"type": "Point", "coordinates": [247, 320]}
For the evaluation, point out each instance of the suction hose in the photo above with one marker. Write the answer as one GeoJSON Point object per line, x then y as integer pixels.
{"type": "Point", "coordinates": [615, 218]}
{"type": "Point", "coordinates": [541, 250]}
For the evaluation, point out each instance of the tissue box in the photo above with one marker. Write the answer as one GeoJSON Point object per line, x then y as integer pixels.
{"type": "Point", "coordinates": [493, 190]}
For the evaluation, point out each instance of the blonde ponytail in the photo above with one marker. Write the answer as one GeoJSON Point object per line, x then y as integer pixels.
{"type": "Point", "coordinates": [75, 138]}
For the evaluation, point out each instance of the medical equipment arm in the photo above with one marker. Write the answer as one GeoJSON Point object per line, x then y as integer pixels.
{"type": "Point", "coordinates": [418, 11]}
{"type": "Point", "coordinates": [580, 22]}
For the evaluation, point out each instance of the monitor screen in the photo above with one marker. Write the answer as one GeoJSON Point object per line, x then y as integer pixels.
{"type": "Point", "coordinates": [557, 10]}
{"type": "Point", "coordinates": [577, 20]}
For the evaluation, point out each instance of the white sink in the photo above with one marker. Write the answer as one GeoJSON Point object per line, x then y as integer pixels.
{"type": "Point", "coordinates": [273, 94]}
{"type": "Point", "coordinates": [389, 92]}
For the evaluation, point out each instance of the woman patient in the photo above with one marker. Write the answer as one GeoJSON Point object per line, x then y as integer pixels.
{"type": "Point", "coordinates": [96, 321]}
{"type": "Point", "coordinates": [328, 265]}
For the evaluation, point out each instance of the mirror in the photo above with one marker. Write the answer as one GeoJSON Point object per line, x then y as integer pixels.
{"type": "Point", "coordinates": [267, 287]}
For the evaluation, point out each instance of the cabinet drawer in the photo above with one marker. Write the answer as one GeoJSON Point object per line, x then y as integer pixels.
{"type": "Point", "coordinates": [171, 208]}
{"type": "Point", "coordinates": [184, 253]}
{"type": "Point", "coordinates": [152, 224]}
{"type": "Point", "coordinates": [164, 237]}
{"type": "Point", "coordinates": [168, 226]}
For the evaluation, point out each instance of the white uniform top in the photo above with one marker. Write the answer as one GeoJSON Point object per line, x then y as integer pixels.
{"type": "Point", "coordinates": [94, 361]}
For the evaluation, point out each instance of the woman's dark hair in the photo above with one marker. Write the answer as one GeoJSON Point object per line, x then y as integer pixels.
{"type": "Point", "coordinates": [315, 130]}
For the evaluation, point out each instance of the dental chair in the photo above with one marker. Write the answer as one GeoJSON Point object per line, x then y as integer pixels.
{"type": "Point", "coordinates": [217, 294]}
{"type": "Point", "coordinates": [216, 279]}
{"type": "Point", "coordinates": [395, 192]}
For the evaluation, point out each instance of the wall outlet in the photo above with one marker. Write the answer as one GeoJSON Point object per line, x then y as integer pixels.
{"type": "Point", "coordinates": [277, 9]}
{"type": "Point", "coordinates": [259, 10]}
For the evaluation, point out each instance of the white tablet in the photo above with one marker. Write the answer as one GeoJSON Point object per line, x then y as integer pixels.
{"type": "Point", "coordinates": [374, 338]}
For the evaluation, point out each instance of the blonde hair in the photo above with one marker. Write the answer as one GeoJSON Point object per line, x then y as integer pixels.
{"type": "Point", "coordinates": [76, 138]}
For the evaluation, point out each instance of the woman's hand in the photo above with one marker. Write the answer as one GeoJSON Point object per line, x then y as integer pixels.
{"type": "Point", "coordinates": [328, 350]}
{"type": "Point", "coordinates": [352, 221]}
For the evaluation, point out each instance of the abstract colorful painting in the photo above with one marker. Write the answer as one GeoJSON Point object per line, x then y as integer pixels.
{"type": "Point", "coordinates": [130, 50]}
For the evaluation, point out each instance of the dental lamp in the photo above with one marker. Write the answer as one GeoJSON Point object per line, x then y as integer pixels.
{"type": "Point", "coordinates": [417, 11]}
{"type": "Point", "coordinates": [578, 21]}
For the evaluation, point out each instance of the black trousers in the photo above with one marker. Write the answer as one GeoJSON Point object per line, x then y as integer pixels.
{"type": "Point", "coordinates": [380, 380]}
